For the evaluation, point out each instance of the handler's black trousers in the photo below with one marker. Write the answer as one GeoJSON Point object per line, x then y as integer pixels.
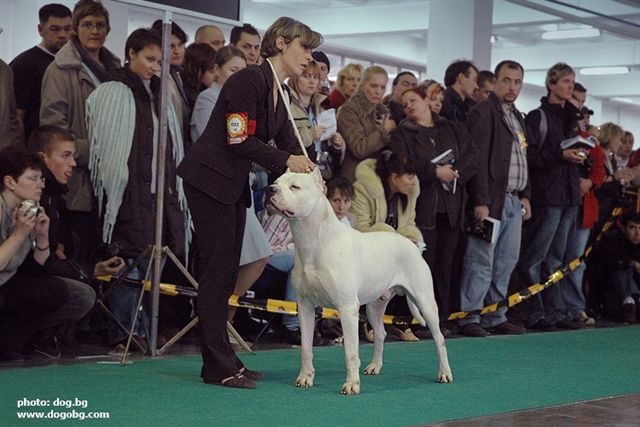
{"type": "Point", "coordinates": [218, 230]}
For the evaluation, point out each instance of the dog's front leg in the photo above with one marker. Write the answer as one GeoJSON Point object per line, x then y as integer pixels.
{"type": "Point", "coordinates": [306, 315]}
{"type": "Point", "coordinates": [349, 321]}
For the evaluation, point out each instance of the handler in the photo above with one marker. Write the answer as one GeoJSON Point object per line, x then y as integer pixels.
{"type": "Point", "coordinates": [249, 113]}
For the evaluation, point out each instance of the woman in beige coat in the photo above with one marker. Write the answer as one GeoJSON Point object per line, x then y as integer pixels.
{"type": "Point", "coordinates": [364, 122]}
{"type": "Point", "coordinates": [81, 65]}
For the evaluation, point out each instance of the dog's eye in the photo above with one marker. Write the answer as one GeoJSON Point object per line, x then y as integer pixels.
{"type": "Point", "coordinates": [294, 187]}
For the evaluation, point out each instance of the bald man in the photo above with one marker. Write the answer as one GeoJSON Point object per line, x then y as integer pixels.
{"type": "Point", "coordinates": [211, 35]}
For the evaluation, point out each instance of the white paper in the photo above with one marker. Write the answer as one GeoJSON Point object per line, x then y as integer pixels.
{"type": "Point", "coordinates": [327, 119]}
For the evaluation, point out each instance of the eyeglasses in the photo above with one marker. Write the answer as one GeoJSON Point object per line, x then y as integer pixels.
{"type": "Point", "coordinates": [35, 179]}
{"type": "Point", "coordinates": [89, 26]}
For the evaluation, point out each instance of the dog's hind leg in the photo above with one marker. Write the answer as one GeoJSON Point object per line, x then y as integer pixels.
{"type": "Point", "coordinates": [306, 315]}
{"type": "Point", "coordinates": [375, 313]}
{"type": "Point", "coordinates": [428, 309]}
{"type": "Point", "coordinates": [349, 321]}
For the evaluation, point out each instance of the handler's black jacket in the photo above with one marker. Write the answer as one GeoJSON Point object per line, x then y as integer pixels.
{"type": "Point", "coordinates": [493, 137]}
{"type": "Point", "coordinates": [220, 169]}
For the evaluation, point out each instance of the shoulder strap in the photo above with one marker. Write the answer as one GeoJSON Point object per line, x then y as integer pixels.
{"type": "Point", "coordinates": [544, 125]}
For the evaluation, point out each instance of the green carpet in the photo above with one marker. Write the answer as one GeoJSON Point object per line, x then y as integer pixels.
{"type": "Point", "coordinates": [491, 375]}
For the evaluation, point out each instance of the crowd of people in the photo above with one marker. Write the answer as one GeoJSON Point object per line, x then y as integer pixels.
{"type": "Point", "coordinates": [495, 199]}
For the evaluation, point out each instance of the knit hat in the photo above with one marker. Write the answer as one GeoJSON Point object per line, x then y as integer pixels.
{"type": "Point", "coordinates": [320, 56]}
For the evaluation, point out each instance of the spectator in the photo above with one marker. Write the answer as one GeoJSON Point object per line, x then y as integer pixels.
{"type": "Point", "coordinates": [440, 207]}
{"type": "Point", "coordinates": [610, 192]}
{"type": "Point", "coordinates": [28, 68]}
{"type": "Point", "coordinates": [499, 190]}
{"type": "Point", "coordinates": [460, 78]}
{"type": "Point", "coordinates": [78, 67]}
{"type": "Point", "coordinates": [364, 122]}
{"type": "Point", "coordinates": [435, 94]}
{"type": "Point", "coordinates": [346, 85]}
{"type": "Point", "coordinates": [133, 102]}
{"type": "Point", "coordinates": [341, 193]}
{"type": "Point", "coordinates": [228, 61]}
{"type": "Point", "coordinates": [176, 68]}
{"type": "Point", "coordinates": [403, 81]}
{"type": "Point", "coordinates": [625, 152]}
{"type": "Point", "coordinates": [30, 300]}
{"type": "Point", "coordinates": [211, 35]}
{"type": "Point", "coordinates": [56, 148]}
{"type": "Point", "coordinates": [555, 195]}
{"type": "Point", "coordinates": [614, 268]}
{"type": "Point", "coordinates": [486, 85]}
{"type": "Point", "coordinates": [214, 171]}
{"type": "Point", "coordinates": [9, 124]}
{"type": "Point", "coordinates": [305, 109]}
{"type": "Point", "coordinates": [199, 71]}
{"type": "Point", "coordinates": [247, 39]}
{"type": "Point", "coordinates": [325, 66]}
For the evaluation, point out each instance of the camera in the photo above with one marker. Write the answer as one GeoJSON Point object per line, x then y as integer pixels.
{"type": "Point", "coordinates": [29, 206]}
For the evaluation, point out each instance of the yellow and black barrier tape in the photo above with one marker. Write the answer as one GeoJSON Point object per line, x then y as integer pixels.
{"type": "Point", "coordinates": [291, 308]}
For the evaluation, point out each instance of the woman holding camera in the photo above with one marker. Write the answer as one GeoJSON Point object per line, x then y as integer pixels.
{"type": "Point", "coordinates": [29, 299]}
{"type": "Point", "coordinates": [423, 137]}
{"type": "Point", "coordinates": [364, 122]}
{"type": "Point", "coordinates": [249, 113]}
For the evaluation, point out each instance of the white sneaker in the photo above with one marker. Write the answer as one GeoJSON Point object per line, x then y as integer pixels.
{"type": "Point", "coordinates": [586, 320]}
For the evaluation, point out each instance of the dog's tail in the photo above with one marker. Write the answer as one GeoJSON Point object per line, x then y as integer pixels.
{"type": "Point", "coordinates": [415, 312]}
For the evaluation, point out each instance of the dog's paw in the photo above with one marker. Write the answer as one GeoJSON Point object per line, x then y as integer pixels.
{"type": "Point", "coordinates": [350, 388]}
{"type": "Point", "coordinates": [445, 377]}
{"type": "Point", "coordinates": [305, 380]}
{"type": "Point", "coordinates": [372, 369]}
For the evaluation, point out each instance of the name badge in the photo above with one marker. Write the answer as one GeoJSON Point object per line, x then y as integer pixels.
{"type": "Point", "coordinates": [237, 127]}
{"type": "Point", "coordinates": [522, 139]}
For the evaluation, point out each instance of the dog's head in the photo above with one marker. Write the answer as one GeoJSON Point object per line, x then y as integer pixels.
{"type": "Point", "coordinates": [295, 195]}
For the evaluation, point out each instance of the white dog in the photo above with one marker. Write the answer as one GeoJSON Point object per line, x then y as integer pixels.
{"type": "Point", "coordinates": [339, 267]}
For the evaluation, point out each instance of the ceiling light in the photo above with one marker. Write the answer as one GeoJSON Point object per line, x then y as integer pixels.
{"type": "Point", "coordinates": [603, 71]}
{"type": "Point", "coordinates": [625, 101]}
{"type": "Point", "coordinates": [571, 34]}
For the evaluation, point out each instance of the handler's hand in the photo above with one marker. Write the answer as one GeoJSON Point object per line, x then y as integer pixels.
{"type": "Point", "coordinates": [300, 164]}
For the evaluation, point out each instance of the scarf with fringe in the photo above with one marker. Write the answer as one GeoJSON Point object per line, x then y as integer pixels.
{"type": "Point", "coordinates": [113, 103]}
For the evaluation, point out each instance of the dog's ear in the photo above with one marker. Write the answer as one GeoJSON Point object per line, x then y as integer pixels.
{"type": "Point", "coordinates": [317, 179]}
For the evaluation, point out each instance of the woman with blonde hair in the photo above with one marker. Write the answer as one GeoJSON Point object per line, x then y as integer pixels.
{"type": "Point", "coordinates": [346, 85]}
{"type": "Point", "coordinates": [364, 121]}
{"type": "Point", "coordinates": [306, 106]}
{"type": "Point", "coordinates": [250, 112]}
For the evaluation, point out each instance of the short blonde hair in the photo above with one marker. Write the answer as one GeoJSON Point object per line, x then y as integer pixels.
{"type": "Point", "coordinates": [556, 72]}
{"type": "Point", "coordinates": [371, 71]}
{"type": "Point", "coordinates": [609, 131]}
{"type": "Point", "coordinates": [312, 68]}
{"type": "Point", "coordinates": [348, 70]}
{"type": "Point", "coordinates": [289, 29]}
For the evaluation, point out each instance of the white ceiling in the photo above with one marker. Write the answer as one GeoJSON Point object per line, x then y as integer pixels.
{"type": "Point", "coordinates": [397, 31]}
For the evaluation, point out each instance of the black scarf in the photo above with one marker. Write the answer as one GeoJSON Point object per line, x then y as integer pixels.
{"type": "Point", "coordinates": [103, 73]}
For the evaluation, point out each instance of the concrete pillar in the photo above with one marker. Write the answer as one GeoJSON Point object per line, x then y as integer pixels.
{"type": "Point", "coordinates": [458, 29]}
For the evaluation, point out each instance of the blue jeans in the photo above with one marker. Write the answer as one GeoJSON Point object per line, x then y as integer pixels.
{"type": "Point", "coordinates": [571, 287]}
{"type": "Point", "coordinates": [488, 267]}
{"type": "Point", "coordinates": [546, 245]}
{"type": "Point", "coordinates": [283, 261]}
{"type": "Point", "coordinates": [123, 304]}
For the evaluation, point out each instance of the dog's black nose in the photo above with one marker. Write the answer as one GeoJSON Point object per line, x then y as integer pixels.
{"type": "Point", "coordinates": [272, 190]}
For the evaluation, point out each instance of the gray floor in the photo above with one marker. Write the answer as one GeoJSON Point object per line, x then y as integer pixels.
{"type": "Point", "coordinates": [621, 411]}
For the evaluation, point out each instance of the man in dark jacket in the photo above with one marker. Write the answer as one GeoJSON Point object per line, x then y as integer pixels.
{"type": "Point", "coordinates": [461, 80]}
{"type": "Point", "coordinates": [499, 190]}
{"type": "Point", "coordinates": [555, 196]}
